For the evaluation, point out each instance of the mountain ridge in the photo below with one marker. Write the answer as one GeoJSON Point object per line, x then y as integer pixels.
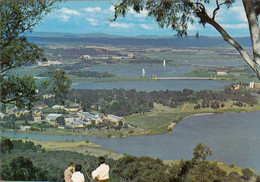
{"type": "Point", "coordinates": [142, 40]}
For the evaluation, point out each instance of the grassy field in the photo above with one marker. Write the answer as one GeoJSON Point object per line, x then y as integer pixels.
{"type": "Point", "coordinates": [80, 147]}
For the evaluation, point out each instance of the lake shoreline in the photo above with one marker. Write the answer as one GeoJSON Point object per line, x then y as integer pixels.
{"type": "Point", "coordinates": [60, 133]}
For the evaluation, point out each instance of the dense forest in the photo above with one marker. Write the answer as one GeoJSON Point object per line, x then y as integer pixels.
{"type": "Point", "coordinates": [84, 74]}
{"type": "Point", "coordinates": [23, 160]}
{"type": "Point", "coordinates": [126, 102]}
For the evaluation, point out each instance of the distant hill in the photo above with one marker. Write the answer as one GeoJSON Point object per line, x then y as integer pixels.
{"type": "Point", "coordinates": [98, 38]}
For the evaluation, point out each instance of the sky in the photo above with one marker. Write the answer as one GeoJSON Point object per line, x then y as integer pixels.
{"type": "Point", "coordinates": [83, 17]}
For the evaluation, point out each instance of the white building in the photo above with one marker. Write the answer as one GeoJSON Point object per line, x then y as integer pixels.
{"type": "Point", "coordinates": [254, 85]}
{"type": "Point", "coordinates": [58, 107]}
{"type": "Point", "coordinates": [48, 63]}
{"type": "Point", "coordinates": [115, 119]}
{"type": "Point", "coordinates": [1, 115]}
{"type": "Point", "coordinates": [52, 117]}
{"type": "Point", "coordinates": [222, 73]}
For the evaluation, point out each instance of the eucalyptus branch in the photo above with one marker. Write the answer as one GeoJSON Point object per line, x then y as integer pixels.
{"type": "Point", "coordinates": [13, 99]}
{"type": "Point", "coordinates": [216, 9]}
{"type": "Point", "coordinates": [201, 8]}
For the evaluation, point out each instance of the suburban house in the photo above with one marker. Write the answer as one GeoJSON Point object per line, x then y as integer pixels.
{"type": "Point", "coordinates": [37, 119]}
{"type": "Point", "coordinates": [73, 109]}
{"type": "Point", "coordinates": [52, 116]}
{"type": "Point", "coordinates": [25, 128]}
{"type": "Point", "coordinates": [95, 117]}
{"type": "Point", "coordinates": [41, 106]}
{"type": "Point", "coordinates": [58, 107]}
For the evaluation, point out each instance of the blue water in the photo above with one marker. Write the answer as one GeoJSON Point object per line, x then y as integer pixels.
{"type": "Point", "coordinates": [151, 85]}
{"type": "Point", "coordinates": [136, 70]}
{"type": "Point", "coordinates": [234, 138]}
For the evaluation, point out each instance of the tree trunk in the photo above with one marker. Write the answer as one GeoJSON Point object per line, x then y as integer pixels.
{"type": "Point", "coordinates": [254, 31]}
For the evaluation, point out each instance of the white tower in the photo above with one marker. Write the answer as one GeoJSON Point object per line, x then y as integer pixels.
{"type": "Point", "coordinates": [164, 63]}
{"type": "Point", "coordinates": [143, 73]}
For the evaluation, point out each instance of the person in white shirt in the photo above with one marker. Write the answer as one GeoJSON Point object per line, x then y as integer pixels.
{"type": "Point", "coordinates": [102, 172]}
{"type": "Point", "coordinates": [77, 176]}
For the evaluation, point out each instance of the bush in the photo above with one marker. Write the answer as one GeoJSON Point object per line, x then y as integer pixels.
{"type": "Point", "coordinates": [247, 173]}
{"type": "Point", "coordinates": [131, 131]}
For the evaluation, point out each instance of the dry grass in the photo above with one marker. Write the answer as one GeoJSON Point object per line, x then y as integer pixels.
{"type": "Point", "coordinates": [80, 147]}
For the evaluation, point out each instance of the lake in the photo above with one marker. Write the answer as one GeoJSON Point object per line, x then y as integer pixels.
{"type": "Point", "coordinates": [150, 85]}
{"type": "Point", "coordinates": [136, 71]}
{"type": "Point", "coordinates": [234, 138]}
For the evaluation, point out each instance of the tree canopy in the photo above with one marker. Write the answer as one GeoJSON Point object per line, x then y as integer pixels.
{"type": "Point", "coordinates": [176, 14]}
{"type": "Point", "coordinates": [17, 19]}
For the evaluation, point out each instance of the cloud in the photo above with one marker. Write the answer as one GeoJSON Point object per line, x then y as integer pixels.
{"type": "Point", "coordinates": [64, 14]}
{"type": "Point", "coordinates": [92, 10]}
{"type": "Point", "coordinates": [63, 17]}
{"type": "Point", "coordinates": [111, 8]}
{"type": "Point", "coordinates": [240, 12]}
{"type": "Point", "coordinates": [69, 11]}
{"type": "Point", "coordinates": [146, 26]}
{"type": "Point", "coordinates": [235, 26]}
{"type": "Point", "coordinates": [142, 14]}
{"type": "Point", "coordinates": [120, 25]}
{"type": "Point", "coordinates": [92, 21]}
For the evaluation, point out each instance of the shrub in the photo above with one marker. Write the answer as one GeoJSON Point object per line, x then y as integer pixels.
{"type": "Point", "coordinates": [247, 173]}
{"type": "Point", "coordinates": [131, 131]}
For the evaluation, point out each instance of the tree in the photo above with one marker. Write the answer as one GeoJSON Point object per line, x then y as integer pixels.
{"type": "Point", "coordinates": [60, 120]}
{"type": "Point", "coordinates": [6, 145]}
{"type": "Point", "coordinates": [247, 173]}
{"type": "Point", "coordinates": [21, 168]}
{"type": "Point", "coordinates": [58, 84]}
{"type": "Point", "coordinates": [20, 91]}
{"type": "Point", "coordinates": [18, 18]}
{"type": "Point", "coordinates": [201, 152]}
{"type": "Point", "coordinates": [198, 168]}
{"type": "Point", "coordinates": [177, 14]}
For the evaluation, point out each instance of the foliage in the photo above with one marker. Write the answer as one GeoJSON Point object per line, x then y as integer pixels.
{"type": "Point", "coordinates": [197, 170]}
{"type": "Point", "coordinates": [60, 120]}
{"type": "Point", "coordinates": [6, 145]}
{"type": "Point", "coordinates": [58, 84]}
{"type": "Point", "coordinates": [20, 91]}
{"type": "Point", "coordinates": [26, 145]}
{"type": "Point", "coordinates": [22, 168]}
{"type": "Point", "coordinates": [126, 102]}
{"type": "Point", "coordinates": [127, 168]}
{"type": "Point", "coordinates": [91, 74]}
{"type": "Point", "coordinates": [17, 18]}
{"type": "Point", "coordinates": [247, 173]}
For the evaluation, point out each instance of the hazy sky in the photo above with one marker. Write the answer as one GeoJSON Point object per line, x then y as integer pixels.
{"type": "Point", "coordinates": [93, 17]}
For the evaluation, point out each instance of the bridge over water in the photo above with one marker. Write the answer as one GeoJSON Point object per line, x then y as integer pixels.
{"type": "Point", "coordinates": [186, 78]}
